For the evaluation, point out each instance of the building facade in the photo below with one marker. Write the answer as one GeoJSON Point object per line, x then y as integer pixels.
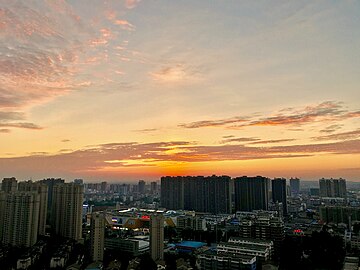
{"type": "Point", "coordinates": [157, 237]}
{"type": "Point", "coordinates": [42, 190]}
{"type": "Point", "coordinates": [197, 193]}
{"type": "Point", "coordinates": [97, 236]}
{"type": "Point", "coordinates": [19, 218]}
{"type": "Point", "coordinates": [251, 193]}
{"type": "Point", "coordinates": [332, 188]}
{"type": "Point", "coordinates": [294, 186]}
{"type": "Point", "coordinates": [9, 184]}
{"type": "Point", "coordinates": [66, 210]}
{"type": "Point", "coordinates": [279, 193]}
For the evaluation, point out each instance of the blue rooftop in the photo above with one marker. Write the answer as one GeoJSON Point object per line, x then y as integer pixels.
{"type": "Point", "coordinates": [191, 244]}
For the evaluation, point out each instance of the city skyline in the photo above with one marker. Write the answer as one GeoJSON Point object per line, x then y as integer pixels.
{"type": "Point", "coordinates": [128, 90]}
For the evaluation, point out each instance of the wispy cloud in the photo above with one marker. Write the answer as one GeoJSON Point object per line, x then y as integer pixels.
{"type": "Point", "coordinates": [214, 123]}
{"type": "Point", "coordinates": [349, 135]}
{"type": "Point", "coordinates": [241, 139]}
{"type": "Point", "coordinates": [131, 3]}
{"type": "Point", "coordinates": [9, 119]}
{"type": "Point", "coordinates": [331, 128]}
{"type": "Point", "coordinates": [328, 111]}
{"type": "Point", "coordinates": [176, 73]}
{"type": "Point", "coordinates": [125, 24]}
{"type": "Point", "coordinates": [146, 130]}
{"type": "Point", "coordinates": [272, 141]}
{"type": "Point", "coordinates": [40, 49]}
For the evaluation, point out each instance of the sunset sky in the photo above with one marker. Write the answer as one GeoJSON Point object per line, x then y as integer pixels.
{"type": "Point", "coordinates": [128, 89]}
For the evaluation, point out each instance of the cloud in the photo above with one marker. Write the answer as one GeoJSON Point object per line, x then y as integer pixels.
{"type": "Point", "coordinates": [214, 123]}
{"type": "Point", "coordinates": [130, 4]}
{"type": "Point", "coordinates": [10, 116]}
{"type": "Point", "coordinates": [228, 136]}
{"type": "Point", "coordinates": [176, 73]}
{"type": "Point", "coordinates": [349, 135]}
{"type": "Point", "coordinates": [21, 125]}
{"type": "Point", "coordinates": [9, 119]}
{"type": "Point", "coordinates": [5, 130]}
{"type": "Point", "coordinates": [125, 25]}
{"type": "Point", "coordinates": [273, 141]}
{"type": "Point", "coordinates": [41, 44]}
{"type": "Point", "coordinates": [119, 155]}
{"type": "Point", "coordinates": [242, 139]}
{"type": "Point", "coordinates": [331, 128]}
{"type": "Point", "coordinates": [146, 130]}
{"type": "Point", "coordinates": [328, 111]}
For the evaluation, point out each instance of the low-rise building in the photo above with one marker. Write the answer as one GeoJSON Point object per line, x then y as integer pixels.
{"type": "Point", "coordinates": [212, 260]}
{"type": "Point", "coordinates": [133, 247]}
{"type": "Point", "coordinates": [262, 252]}
{"type": "Point", "coordinates": [191, 222]}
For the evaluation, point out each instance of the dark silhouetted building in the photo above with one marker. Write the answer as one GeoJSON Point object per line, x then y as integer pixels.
{"type": "Point", "coordinates": [66, 210]}
{"type": "Point", "coordinates": [19, 217]}
{"type": "Point", "coordinates": [42, 190]}
{"type": "Point", "coordinates": [50, 182]}
{"type": "Point", "coordinates": [104, 186]}
{"type": "Point", "coordinates": [141, 186]}
{"type": "Point", "coordinates": [172, 192]}
{"type": "Point", "coordinates": [198, 193]}
{"type": "Point", "coordinates": [153, 187]}
{"type": "Point", "coordinates": [332, 188]}
{"type": "Point", "coordinates": [9, 184]}
{"type": "Point", "coordinates": [294, 186]}
{"type": "Point", "coordinates": [278, 186]}
{"type": "Point", "coordinates": [251, 193]}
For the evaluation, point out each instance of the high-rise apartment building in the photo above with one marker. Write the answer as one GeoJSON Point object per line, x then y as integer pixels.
{"type": "Point", "coordinates": [97, 236]}
{"type": "Point", "coordinates": [332, 188]}
{"type": "Point", "coordinates": [251, 193]}
{"type": "Point", "coordinates": [50, 182]}
{"type": "Point", "coordinates": [278, 186]}
{"type": "Point", "coordinates": [172, 192]}
{"type": "Point", "coordinates": [157, 237]}
{"type": "Point", "coordinates": [104, 186]}
{"type": "Point", "coordinates": [19, 217]}
{"type": "Point", "coordinates": [9, 184]}
{"type": "Point", "coordinates": [141, 186]}
{"type": "Point", "coordinates": [202, 194]}
{"type": "Point", "coordinates": [153, 187]}
{"type": "Point", "coordinates": [42, 190]}
{"type": "Point", "coordinates": [294, 186]}
{"type": "Point", "coordinates": [66, 210]}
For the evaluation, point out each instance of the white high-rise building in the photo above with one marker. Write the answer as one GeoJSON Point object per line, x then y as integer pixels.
{"type": "Point", "coordinates": [97, 235]}
{"type": "Point", "coordinates": [157, 237]}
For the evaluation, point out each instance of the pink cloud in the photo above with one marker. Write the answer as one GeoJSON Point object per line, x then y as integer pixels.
{"type": "Point", "coordinates": [40, 54]}
{"type": "Point", "coordinates": [98, 158]}
{"type": "Point", "coordinates": [125, 24]}
{"type": "Point", "coordinates": [328, 111]}
{"type": "Point", "coordinates": [131, 3]}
